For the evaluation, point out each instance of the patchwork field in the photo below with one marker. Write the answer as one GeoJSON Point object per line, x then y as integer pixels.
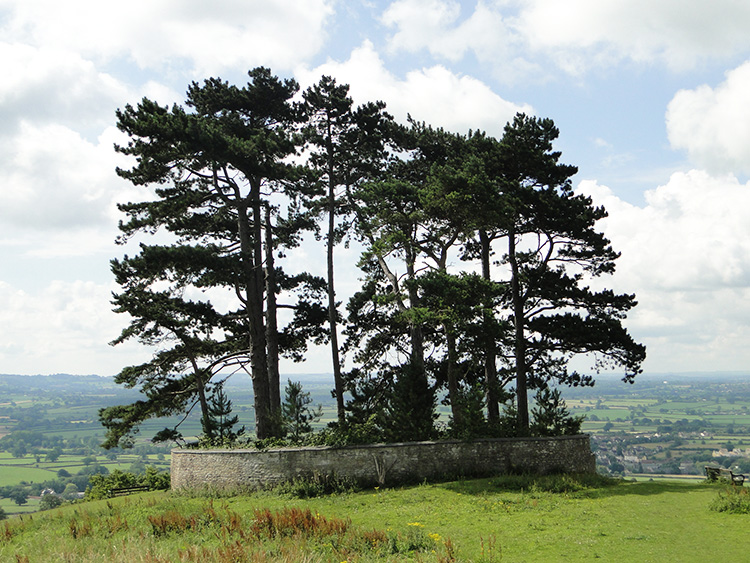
{"type": "Point", "coordinates": [662, 425]}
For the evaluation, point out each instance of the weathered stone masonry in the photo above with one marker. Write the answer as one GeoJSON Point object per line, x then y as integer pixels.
{"type": "Point", "coordinates": [382, 464]}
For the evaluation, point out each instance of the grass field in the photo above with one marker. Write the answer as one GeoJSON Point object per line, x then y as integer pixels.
{"type": "Point", "coordinates": [11, 475]}
{"type": "Point", "coordinates": [488, 520]}
{"type": "Point", "coordinates": [26, 470]}
{"type": "Point", "coordinates": [11, 508]}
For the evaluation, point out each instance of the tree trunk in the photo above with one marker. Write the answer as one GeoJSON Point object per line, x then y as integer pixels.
{"type": "Point", "coordinates": [417, 337]}
{"type": "Point", "coordinates": [272, 329]}
{"type": "Point", "coordinates": [423, 407]}
{"type": "Point", "coordinates": [522, 402]}
{"type": "Point", "coordinates": [490, 346]}
{"type": "Point", "coordinates": [332, 320]}
{"type": "Point", "coordinates": [251, 249]}
{"type": "Point", "coordinates": [201, 387]}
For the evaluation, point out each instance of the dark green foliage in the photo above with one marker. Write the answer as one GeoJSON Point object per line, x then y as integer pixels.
{"type": "Point", "coordinates": [410, 412]}
{"type": "Point", "coordinates": [552, 245]}
{"type": "Point", "coordinates": [431, 208]}
{"type": "Point", "coordinates": [315, 486]}
{"type": "Point", "coordinates": [443, 190]}
{"type": "Point", "coordinates": [100, 486]}
{"type": "Point", "coordinates": [154, 479]}
{"type": "Point", "coordinates": [19, 496]}
{"type": "Point", "coordinates": [734, 500]}
{"type": "Point", "coordinates": [388, 317]}
{"type": "Point", "coordinates": [331, 133]}
{"type": "Point", "coordinates": [94, 469]}
{"type": "Point", "coordinates": [507, 423]}
{"type": "Point", "coordinates": [21, 439]}
{"type": "Point", "coordinates": [354, 432]}
{"type": "Point", "coordinates": [226, 196]}
{"type": "Point", "coordinates": [296, 412]}
{"type": "Point", "coordinates": [122, 421]}
{"type": "Point", "coordinates": [50, 501]}
{"type": "Point", "coordinates": [550, 416]}
{"type": "Point", "coordinates": [470, 401]}
{"type": "Point", "coordinates": [176, 377]}
{"type": "Point", "coordinates": [218, 423]}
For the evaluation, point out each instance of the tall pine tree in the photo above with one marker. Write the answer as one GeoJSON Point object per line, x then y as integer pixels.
{"type": "Point", "coordinates": [215, 165]}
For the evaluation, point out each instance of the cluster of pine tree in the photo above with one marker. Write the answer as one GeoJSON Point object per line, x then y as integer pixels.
{"type": "Point", "coordinates": [475, 265]}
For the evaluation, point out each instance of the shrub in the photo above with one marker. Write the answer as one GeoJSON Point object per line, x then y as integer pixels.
{"type": "Point", "coordinates": [154, 479]}
{"type": "Point", "coordinates": [314, 486]}
{"type": "Point", "coordinates": [50, 501]}
{"type": "Point", "coordinates": [559, 483]}
{"type": "Point", "coordinates": [100, 486]}
{"type": "Point", "coordinates": [350, 434]}
{"type": "Point", "coordinates": [218, 423]}
{"type": "Point", "coordinates": [735, 500]}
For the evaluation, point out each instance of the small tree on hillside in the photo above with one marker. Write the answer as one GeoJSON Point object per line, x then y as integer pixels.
{"type": "Point", "coordinates": [19, 496]}
{"type": "Point", "coordinates": [218, 424]}
{"type": "Point", "coordinates": [296, 411]}
{"type": "Point", "coordinates": [551, 417]}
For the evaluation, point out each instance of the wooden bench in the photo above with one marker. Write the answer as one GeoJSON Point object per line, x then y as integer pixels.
{"type": "Point", "coordinates": [721, 474]}
{"type": "Point", "coordinates": [122, 491]}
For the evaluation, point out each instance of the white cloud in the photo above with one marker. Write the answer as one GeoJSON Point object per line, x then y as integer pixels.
{"type": "Point", "coordinates": [55, 181]}
{"type": "Point", "coordinates": [579, 33]}
{"type": "Point", "coordinates": [57, 162]}
{"type": "Point", "coordinates": [155, 34]}
{"type": "Point", "coordinates": [64, 327]}
{"type": "Point", "coordinates": [713, 124]}
{"type": "Point", "coordinates": [686, 256]}
{"type": "Point", "coordinates": [43, 85]}
{"type": "Point", "coordinates": [692, 234]}
{"type": "Point", "coordinates": [436, 25]}
{"type": "Point", "coordinates": [693, 331]}
{"type": "Point", "coordinates": [424, 23]}
{"type": "Point", "coordinates": [435, 95]}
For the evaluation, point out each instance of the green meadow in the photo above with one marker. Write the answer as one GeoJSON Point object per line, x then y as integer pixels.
{"type": "Point", "coordinates": [511, 519]}
{"type": "Point", "coordinates": [14, 470]}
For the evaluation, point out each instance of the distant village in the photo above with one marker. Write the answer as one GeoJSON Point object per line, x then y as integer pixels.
{"type": "Point", "coordinates": [628, 454]}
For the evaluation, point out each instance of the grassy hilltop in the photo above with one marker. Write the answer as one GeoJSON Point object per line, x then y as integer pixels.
{"type": "Point", "coordinates": [665, 424]}
{"type": "Point", "coordinates": [490, 520]}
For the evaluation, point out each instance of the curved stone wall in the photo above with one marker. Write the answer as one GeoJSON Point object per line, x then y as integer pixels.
{"type": "Point", "coordinates": [382, 464]}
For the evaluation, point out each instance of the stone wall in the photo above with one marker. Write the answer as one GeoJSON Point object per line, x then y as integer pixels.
{"type": "Point", "coordinates": [382, 464]}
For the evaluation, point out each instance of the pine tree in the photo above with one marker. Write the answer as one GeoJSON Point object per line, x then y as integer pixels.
{"type": "Point", "coordinates": [551, 417]}
{"type": "Point", "coordinates": [218, 424]}
{"type": "Point", "coordinates": [218, 166]}
{"type": "Point", "coordinates": [344, 147]}
{"type": "Point", "coordinates": [552, 250]}
{"type": "Point", "coordinates": [296, 412]}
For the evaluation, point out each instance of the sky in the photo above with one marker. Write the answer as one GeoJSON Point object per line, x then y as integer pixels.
{"type": "Point", "coordinates": [651, 99]}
